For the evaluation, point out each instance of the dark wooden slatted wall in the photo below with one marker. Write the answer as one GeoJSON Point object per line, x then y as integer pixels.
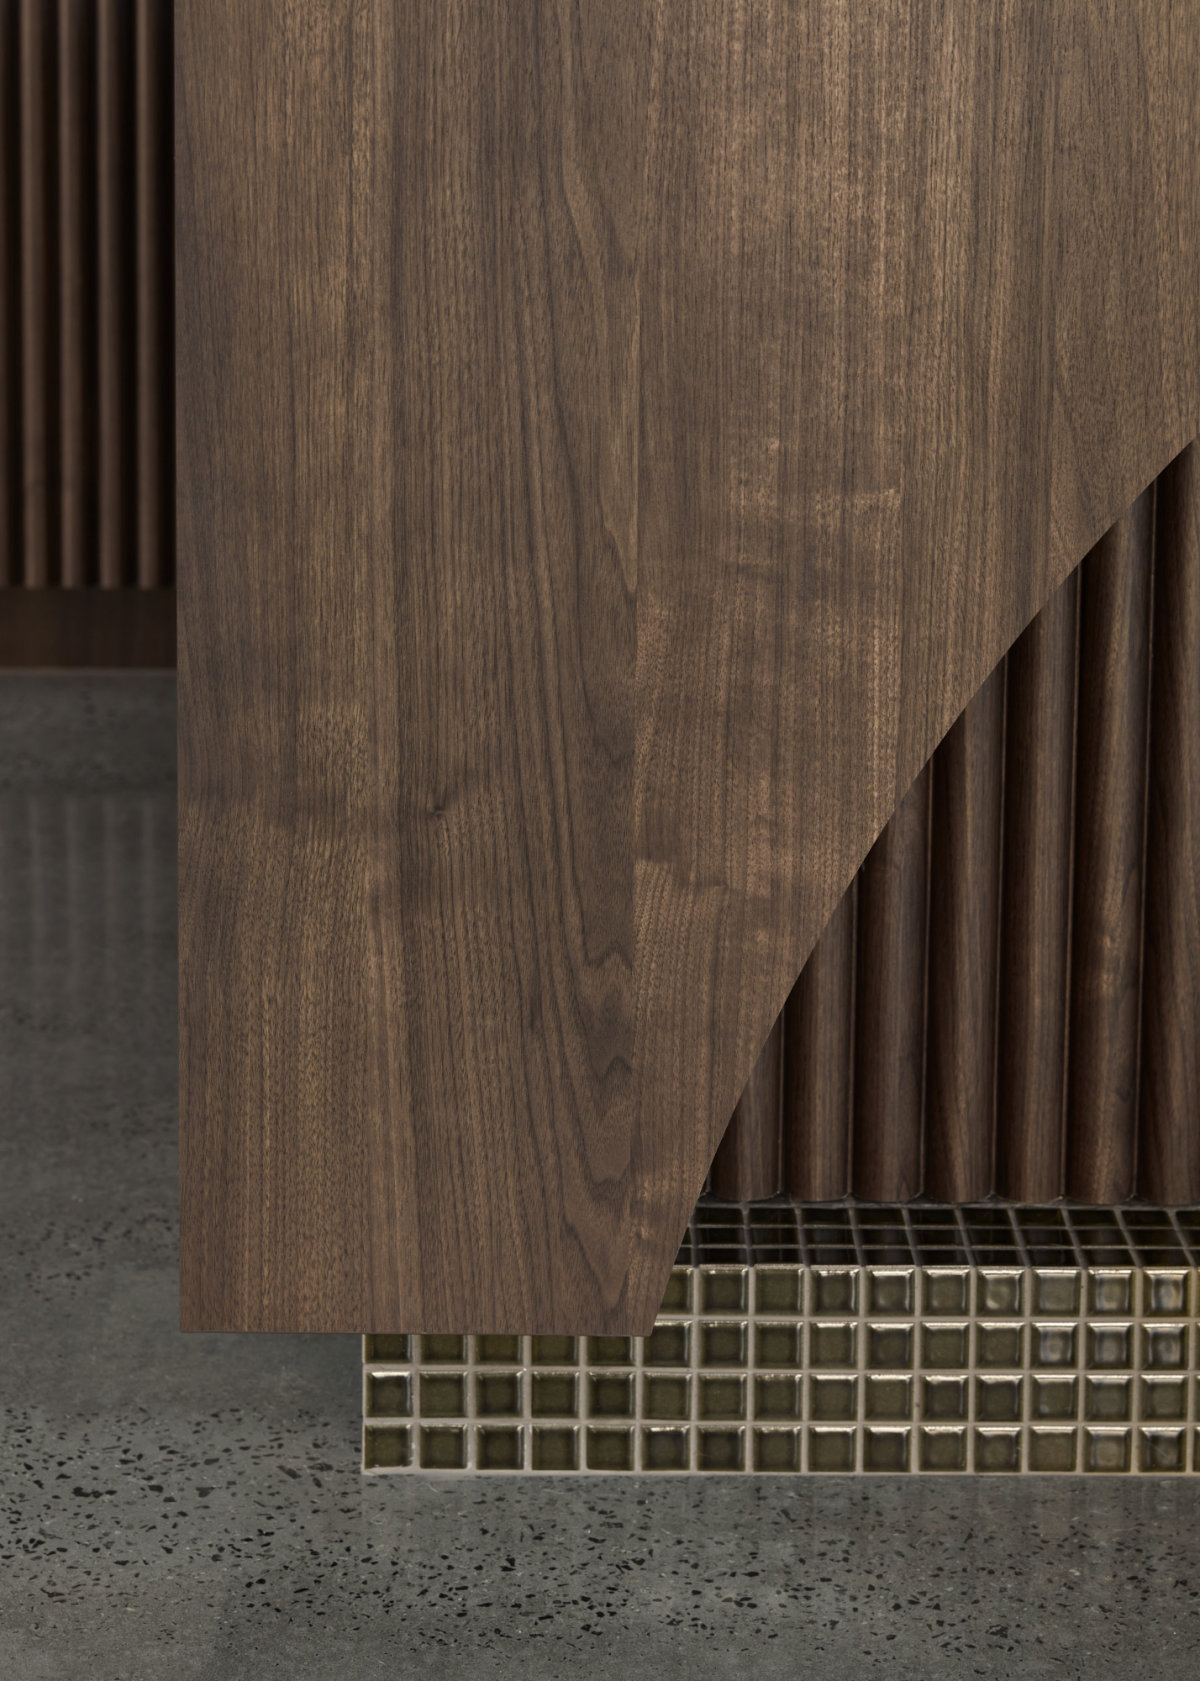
{"type": "Point", "coordinates": [86, 329]}
{"type": "Point", "coordinates": [1008, 999]}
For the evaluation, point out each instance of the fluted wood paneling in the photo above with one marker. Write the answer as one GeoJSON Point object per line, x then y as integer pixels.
{"type": "Point", "coordinates": [86, 297]}
{"type": "Point", "coordinates": [964, 909]}
{"type": "Point", "coordinates": [890, 1015]}
{"type": "Point", "coordinates": [818, 1061]}
{"type": "Point", "coordinates": [1110, 800]}
{"type": "Point", "coordinates": [1169, 1156]}
{"type": "Point", "coordinates": [1036, 922]}
{"type": "Point", "coordinates": [1025, 1075]}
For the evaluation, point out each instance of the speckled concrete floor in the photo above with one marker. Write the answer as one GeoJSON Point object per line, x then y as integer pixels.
{"type": "Point", "coordinates": [182, 1507]}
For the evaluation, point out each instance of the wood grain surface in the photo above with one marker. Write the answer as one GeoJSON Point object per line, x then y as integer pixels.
{"type": "Point", "coordinates": [615, 443]}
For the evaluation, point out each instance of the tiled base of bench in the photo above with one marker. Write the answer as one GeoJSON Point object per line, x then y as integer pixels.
{"type": "Point", "coordinates": [849, 1338]}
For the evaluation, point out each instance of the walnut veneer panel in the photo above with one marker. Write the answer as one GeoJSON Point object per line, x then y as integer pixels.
{"type": "Point", "coordinates": [615, 443]}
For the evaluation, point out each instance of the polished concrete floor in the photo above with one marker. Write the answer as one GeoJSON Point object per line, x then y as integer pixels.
{"type": "Point", "coordinates": [191, 1506]}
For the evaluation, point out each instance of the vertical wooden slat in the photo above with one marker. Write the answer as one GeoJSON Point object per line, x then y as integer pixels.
{"type": "Point", "coordinates": [1114, 650]}
{"type": "Point", "coordinates": [35, 276]}
{"type": "Point", "coordinates": [890, 1005]}
{"type": "Point", "coordinates": [73, 190]}
{"type": "Point", "coordinates": [964, 908]}
{"type": "Point", "coordinates": [10, 298]}
{"type": "Point", "coordinates": [153, 234]}
{"type": "Point", "coordinates": [111, 279]}
{"type": "Point", "coordinates": [1039, 763]}
{"type": "Point", "coordinates": [747, 1162]}
{"type": "Point", "coordinates": [1169, 1149]}
{"type": "Point", "coordinates": [818, 1049]}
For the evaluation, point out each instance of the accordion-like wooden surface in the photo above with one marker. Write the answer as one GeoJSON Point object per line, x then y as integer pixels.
{"type": "Point", "coordinates": [615, 444]}
{"type": "Point", "coordinates": [1007, 999]}
{"type": "Point", "coordinates": [86, 328]}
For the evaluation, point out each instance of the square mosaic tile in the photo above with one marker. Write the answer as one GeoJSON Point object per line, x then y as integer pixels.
{"type": "Point", "coordinates": [839, 1338]}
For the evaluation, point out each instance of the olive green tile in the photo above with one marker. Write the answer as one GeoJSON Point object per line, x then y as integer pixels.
{"type": "Point", "coordinates": [1056, 1290]}
{"type": "Point", "coordinates": [1162, 1450]}
{"type": "Point", "coordinates": [835, 1290]}
{"type": "Point", "coordinates": [1164, 1398]}
{"type": "Point", "coordinates": [832, 1397]}
{"type": "Point", "coordinates": [554, 1351]}
{"type": "Point", "coordinates": [555, 1394]}
{"type": "Point", "coordinates": [1165, 1347]}
{"type": "Point", "coordinates": [609, 1450]}
{"type": "Point", "coordinates": [891, 1290]}
{"type": "Point", "coordinates": [776, 1450]}
{"type": "Point", "coordinates": [832, 1344]}
{"type": "Point", "coordinates": [443, 1450]}
{"type": "Point", "coordinates": [720, 1450]}
{"type": "Point", "coordinates": [778, 1345]}
{"type": "Point", "coordinates": [776, 1397]}
{"type": "Point", "coordinates": [387, 1449]}
{"type": "Point", "coordinates": [442, 1395]}
{"type": "Point", "coordinates": [1166, 1292]}
{"type": "Point", "coordinates": [1054, 1397]}
{"type": "Point", "coordinates": [1052, 1449]}
{"type": "Point", "coordinates": [555, 1449]}
{"type": "Point", "coordinates": [610, 1395]}
{"type": "Point", "coordinates": [889, 1346]}
{"type": "Point", "coordinates": [1108, 1398]}
{"type": "Point", "coordinates": [722, 1397]}
{"type": "Point", "coordinates": [943, 1448]}
{"type": "Point", "coordinates": [664, 1450]}
{"type": "Point", "coordinates": [389, 1348]}
{"type": "Point", "coordinates": [1106, 1449]}
{"type": "Point", "coordinates": [999, 1343]}
{"type": "Point", "coordinates": [1053, 1344]}
{"type": "Point", "coordinates": [723, 1344]}
{"type": "Point", "coordinates": [610, 1351]}
{"type": "Point", "coordinates": [497, 1394]}
{"type": "Point", "coordinates": [389, 1396]}
{"type": "Point", "coordinates": [1110, 1290]}
{"type": "Point", "coordinates": [678, 1295]}
{"type": "Point", "coordinates": [944, 1345]}
{"type": "Point", "coordinates": [888, 1397]}
{"type": "Point", "coordinates": [997, 1449]}
{"type": "Point", "coordinates": [885, 1449]}
{"type": "Point", "coordinates": [666, 1397]}
{"type": "Point", "coordinates": [499, 1449]}
{"type": "Point", "coordinates": [497, 1351]}
{"type": "Point", "coordinates": [945, 1290]}
{"type": "Point", "coordinates": [668, 1345]}
{"type": "Point", "coordinates": [1109, 1347]}
{"type": "Point", "coordinates": [777, 1290]}
{"type": "Point", "coordinates": [724, 1290]}
{"type": "Point", "coordinates": [998, 1399]}
{"type": "Point", "coordinates": [830, 1449]}
{"type": "Point", "coordinates": [944, 1397]}
{"type": "Point", "coordinates": [443, 1350]}
{"type": "Point", "coordinates": [1000, 1292]}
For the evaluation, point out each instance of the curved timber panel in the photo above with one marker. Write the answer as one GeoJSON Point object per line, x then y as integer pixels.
{"type": "Point", "coordinates": [1074, 1068]}
{"type": "Point", "coordinates": [615, 443]}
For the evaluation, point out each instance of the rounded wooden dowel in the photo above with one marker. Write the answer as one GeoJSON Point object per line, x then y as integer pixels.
{"type": "Point", "coordinates": [1169, 1145]}
{"type": "Point", "coordinates": [33, 101]}
{"type": "Point", "coordinates": [747, 1163]}
{"type": "Point", "coordinates": [74, 191]}
{"type": "Point", "coordinates": [1035, 935]}
{"type": "Point", "coordinates": [1110, 783]}
{"type": "Point", "coordinates": [968, 776]}
{"type": "Point", "coordinates": [818, 1047]}
{"type": "Point", "coordinates": [890, 1005]}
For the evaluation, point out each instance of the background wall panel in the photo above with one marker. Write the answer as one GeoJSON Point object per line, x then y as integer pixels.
{"type": "Point", "coordinates": [86, 298]}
